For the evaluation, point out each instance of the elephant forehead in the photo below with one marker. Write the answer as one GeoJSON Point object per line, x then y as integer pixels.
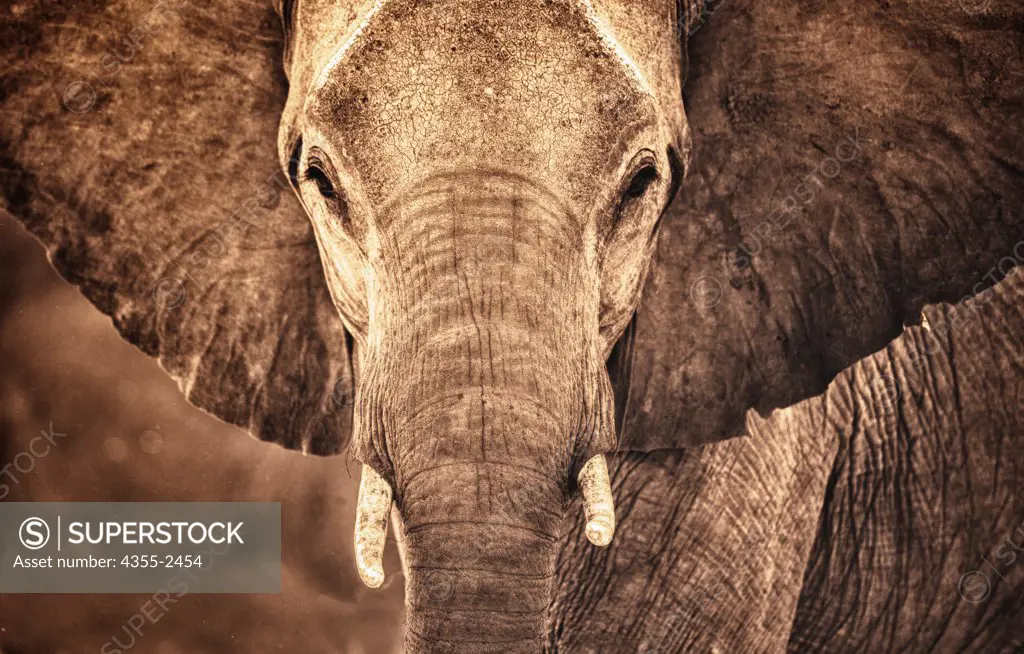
{"type": "Point", "coordinates": [532, 87]}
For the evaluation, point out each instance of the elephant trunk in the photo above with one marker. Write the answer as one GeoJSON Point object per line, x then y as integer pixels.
{"type": "Point", "coordinates": [484, 394]}
{"type": "Point", "coordinates": [481, 489]}
{"type": "Point", "coordinates": [480, 564]}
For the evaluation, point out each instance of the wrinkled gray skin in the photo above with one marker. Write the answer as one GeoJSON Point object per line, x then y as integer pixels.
{"type": "Point", "coordinates": [851, 163]}
{"type": "Point", "coordinates": [894, 520]}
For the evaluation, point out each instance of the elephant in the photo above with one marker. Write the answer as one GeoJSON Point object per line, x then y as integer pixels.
{"type": "Point", "coordinates": [296, 208]}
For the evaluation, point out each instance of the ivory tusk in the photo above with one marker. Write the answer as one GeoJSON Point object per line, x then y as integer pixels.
{"type": "Point", "coordinates": [372, 511]}
{"type": "Point", "coordinates": [598, 505]}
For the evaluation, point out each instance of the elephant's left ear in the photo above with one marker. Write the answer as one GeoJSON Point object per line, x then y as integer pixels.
{"type": "Point", "coordinates": [852, 162]}
{"type": "Point", "coordinates": [138, 143]}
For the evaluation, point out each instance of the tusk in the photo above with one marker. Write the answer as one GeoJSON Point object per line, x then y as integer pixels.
{"type": "Point", "coordinates": [598, 505]}
{"type": "Point", "coordinates": [372, 511]}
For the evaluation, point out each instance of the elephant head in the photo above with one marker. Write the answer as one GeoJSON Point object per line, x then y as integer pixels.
{"type": "Point", "coordinates": [484, 183]}
{"type": "Point", "coordinates": [501, 274]}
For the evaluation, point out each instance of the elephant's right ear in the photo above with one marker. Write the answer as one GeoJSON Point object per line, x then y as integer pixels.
{"type": "Point", "coordinates": [138, 142]}
{"type": "Point", "coordinates": [852, 162]}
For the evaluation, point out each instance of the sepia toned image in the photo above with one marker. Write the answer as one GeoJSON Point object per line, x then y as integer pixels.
{"type": "Point", "coordinates": [479, 326]}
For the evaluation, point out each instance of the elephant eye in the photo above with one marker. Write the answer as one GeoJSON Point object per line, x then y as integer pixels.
{"type": "Point", "coordinates": [641, 181]}
{"type": "Point", "coordinates": [631, 204]}
{"type": "Point", "coordinates": [316, 172]}
{"type": "Point", "coordinates": [323, 183]}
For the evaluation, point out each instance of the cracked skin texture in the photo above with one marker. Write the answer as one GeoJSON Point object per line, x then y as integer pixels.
{"type": "Point", "coordinates": [929, 204]}
{"type": "Point", "coordinates": [846, 523]}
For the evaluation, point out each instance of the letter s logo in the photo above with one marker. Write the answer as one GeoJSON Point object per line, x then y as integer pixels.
{"type": "Point", "coordinates": [34, 533]}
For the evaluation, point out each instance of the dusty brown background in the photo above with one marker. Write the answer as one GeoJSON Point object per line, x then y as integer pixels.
{"type": "Point", "coordinates": [131, 436]}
